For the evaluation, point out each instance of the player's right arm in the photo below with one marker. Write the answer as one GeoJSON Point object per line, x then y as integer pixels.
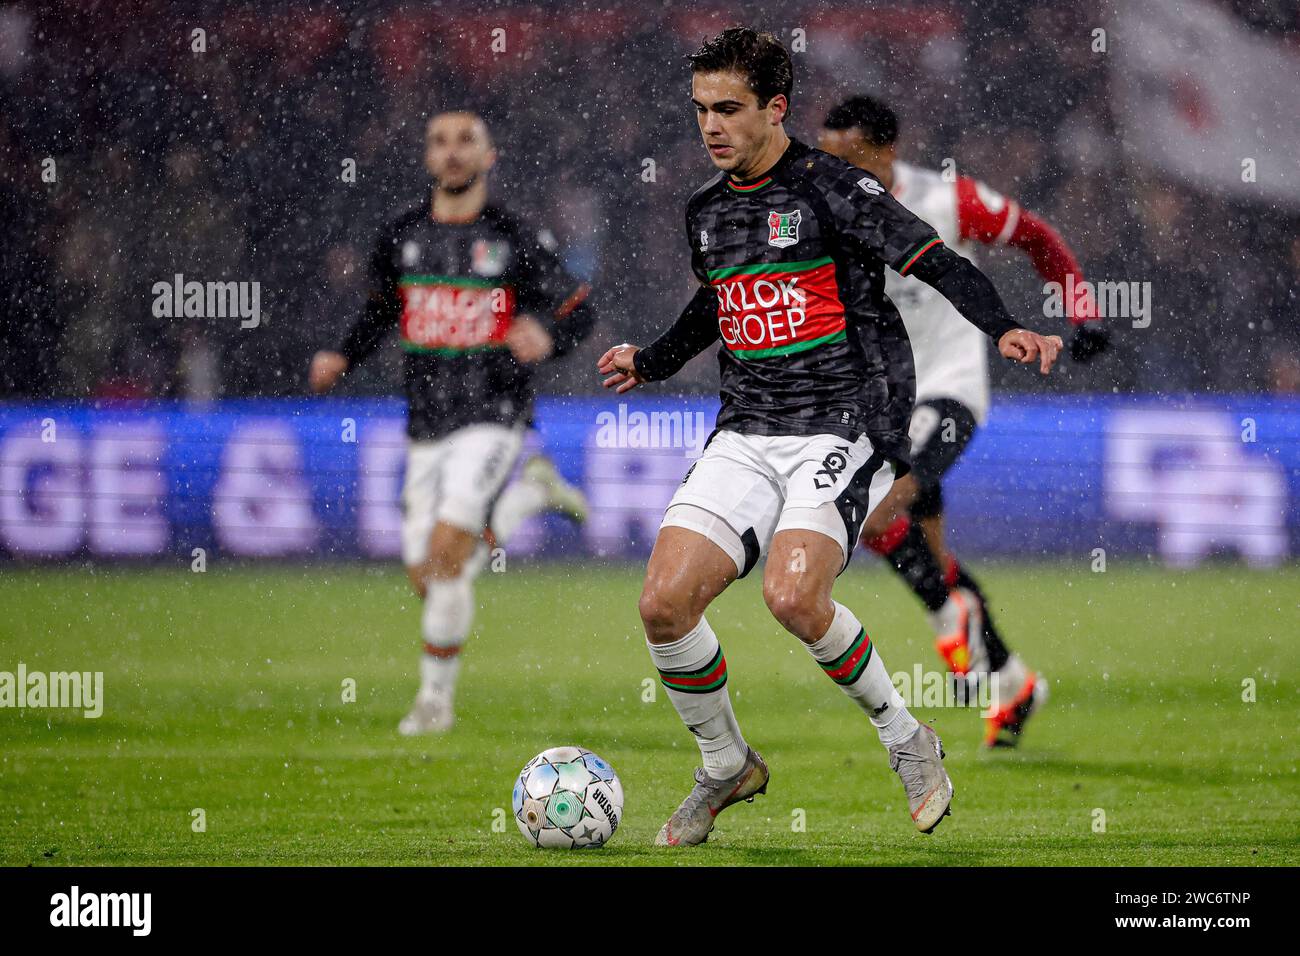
{"type": "Point", "coordinates": [382, 310]}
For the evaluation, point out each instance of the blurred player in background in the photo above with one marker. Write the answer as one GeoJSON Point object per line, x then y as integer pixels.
{"type": "Point", "coordinates": [789, 246]}
{"type": "Point", "coordinates": [952, 398]}
{"type": "Point", "coordinates": [480, 299]}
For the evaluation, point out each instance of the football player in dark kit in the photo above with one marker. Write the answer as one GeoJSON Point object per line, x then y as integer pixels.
{"type": "Point", "coordinates": [479, 299]}
{"type": "Point", "coordinates": [789, 245]}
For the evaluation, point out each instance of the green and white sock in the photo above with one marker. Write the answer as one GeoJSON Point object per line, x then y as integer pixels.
{"type": "Point", "coordinates": [848, 657]}
{"type": "Point", "coordinates": [694, 673]}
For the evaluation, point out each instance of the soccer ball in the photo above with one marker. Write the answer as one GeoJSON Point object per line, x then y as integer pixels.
{"type": "Point", "coordinates": [567, 798]}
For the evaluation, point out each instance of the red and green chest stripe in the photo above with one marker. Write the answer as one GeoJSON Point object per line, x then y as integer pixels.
{"type": "Point", "coordinates": [449, 315]}
{"type": "Point", "coordinates": [701, 681]}
{"type": "Point", "coordinates": [778, 308]}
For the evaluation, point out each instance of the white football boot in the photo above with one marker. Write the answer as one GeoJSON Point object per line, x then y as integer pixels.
{"type": "Point", "coordinates": [561, 497]}
{"type": "Point", "coordinates": [918, 761]}
{"type": "Point", "coordinates": [430, 714]}
{"type": "Point", "coordinates": [692, 822]}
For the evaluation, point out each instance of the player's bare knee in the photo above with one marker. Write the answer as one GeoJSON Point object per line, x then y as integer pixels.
{"type": "Point", "coordinates": [664, 614]}
{"type": "Point", "coordinates": [670, 606]}
{"type": "Point", "coordinates": [783, 600]}
{"type": "Point", "coordinates": [797, 603]}
{"type": "Point", "coordinates": [450, 548]}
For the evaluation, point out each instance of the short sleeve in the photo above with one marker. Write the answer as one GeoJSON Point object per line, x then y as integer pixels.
{"type": "Point", "coordinates": [984, 214]}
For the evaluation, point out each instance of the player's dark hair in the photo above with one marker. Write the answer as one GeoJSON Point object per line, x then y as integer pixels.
{"type": "Point", "coordinates": [879, 124]}
{"type": "Point", "coordinates": [759, 57]}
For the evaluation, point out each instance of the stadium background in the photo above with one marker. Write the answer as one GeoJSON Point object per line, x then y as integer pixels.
{"type": "Point", "coordinates": [135, 451]}
{"type": "Point", "coordinates": [227, 165]}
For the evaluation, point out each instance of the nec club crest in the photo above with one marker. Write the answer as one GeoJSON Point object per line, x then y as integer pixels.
{"type": "Point", "coordinates": [783, 228]}
{"type": "Point", "coordinates": [489, 258]}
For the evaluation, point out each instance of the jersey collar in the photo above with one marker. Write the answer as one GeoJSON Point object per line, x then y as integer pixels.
{"type": "Point", "coordinates": [748, 186]}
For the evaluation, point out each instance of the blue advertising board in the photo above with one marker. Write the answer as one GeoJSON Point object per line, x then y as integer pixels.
{"type": "Point", "coordinates": [1177, 479]}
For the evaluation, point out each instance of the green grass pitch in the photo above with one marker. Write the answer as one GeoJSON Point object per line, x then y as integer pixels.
{"type": "Point", "coordinates": [223, 691]}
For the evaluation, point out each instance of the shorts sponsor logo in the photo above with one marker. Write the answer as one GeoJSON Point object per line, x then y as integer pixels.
{"type": "Point", "coordinates": [832, 467]}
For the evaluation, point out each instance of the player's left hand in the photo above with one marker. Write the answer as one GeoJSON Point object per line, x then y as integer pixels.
{"type": "Point", "coordinates": [618, 363]}
{"type": "Point", "coordinates": [528, 341]}
{"type": "Point", "coordinates": [1024, 347]}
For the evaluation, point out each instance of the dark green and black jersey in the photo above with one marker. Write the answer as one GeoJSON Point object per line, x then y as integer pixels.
{"type": "Point", "coordinates": [452, 291]}
{"type": "Point", "coordinates": [791, 267]}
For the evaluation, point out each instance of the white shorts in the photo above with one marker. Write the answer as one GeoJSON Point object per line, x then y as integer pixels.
{"type": "Point", "coordinates": [746, 488]}
{"type": "Point", "coordinates": [455, 479]}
